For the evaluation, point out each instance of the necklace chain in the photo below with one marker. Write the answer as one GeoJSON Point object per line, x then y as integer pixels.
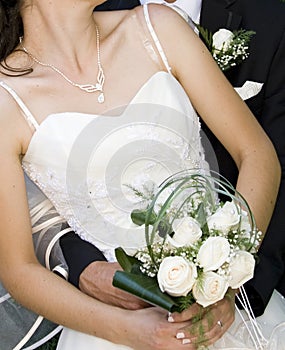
{"type": "Point", "coordinates": [90, 88]}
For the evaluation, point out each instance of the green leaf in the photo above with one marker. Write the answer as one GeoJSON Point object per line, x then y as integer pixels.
{"type": "Point", "coordinates": [243, 35]}
{"type": "Point", "coordinates": [139, 217]}
{"type": "Point", "coordinates": [145, 288]}
{"type": "Point", "coordinates": [164, 228]}
{"type": "Point", "coordinates": [127, 262]}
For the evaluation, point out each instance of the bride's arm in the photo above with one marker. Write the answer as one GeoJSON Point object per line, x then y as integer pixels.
{"type": "Point", "coordinates": [234, 125]}
{"type": "Point", "coordinates": [224, 112]}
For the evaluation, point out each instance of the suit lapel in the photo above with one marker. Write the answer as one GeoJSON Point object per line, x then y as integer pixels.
{"type": "Point", "coordinates": [216, 14]}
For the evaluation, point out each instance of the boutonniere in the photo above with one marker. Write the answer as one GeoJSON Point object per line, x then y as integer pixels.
{"type": "Point", "coordinates": [227, 48]}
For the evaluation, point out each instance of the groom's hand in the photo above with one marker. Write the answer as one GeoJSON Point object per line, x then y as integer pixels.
{"type": "Point", "coordinates": [96, 281]}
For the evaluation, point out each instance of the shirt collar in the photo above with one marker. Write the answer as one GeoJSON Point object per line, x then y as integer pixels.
{"type": "Point", "coordinates": [191, 7]}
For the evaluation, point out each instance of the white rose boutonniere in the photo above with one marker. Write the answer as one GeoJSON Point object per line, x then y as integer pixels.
{"type": "Point", "coordinates": [228, 48]}
{"type": "Point", "coordinates": [222, 40]}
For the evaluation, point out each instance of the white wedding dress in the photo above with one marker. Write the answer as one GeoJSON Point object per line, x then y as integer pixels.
{"type": "Point", "coordinates": [85, 164]}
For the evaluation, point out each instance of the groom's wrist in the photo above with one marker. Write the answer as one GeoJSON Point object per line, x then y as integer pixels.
{"type": "Point", "coordinates": [78, 255]}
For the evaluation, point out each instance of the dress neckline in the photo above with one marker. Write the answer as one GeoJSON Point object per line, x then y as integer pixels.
{"type": "Point", "coordinates": [95, 115]}
{"type": "Point", "coordinates": [105, 114]}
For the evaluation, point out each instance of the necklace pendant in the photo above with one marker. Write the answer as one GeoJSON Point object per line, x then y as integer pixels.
{"type": "Point", "coordinates": [88, 87]}
{"type": "Point", "coordinates": [101, 98]}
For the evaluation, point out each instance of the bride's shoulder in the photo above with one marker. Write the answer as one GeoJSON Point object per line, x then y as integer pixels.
{"type": "Point", "coordinates": [167, 22]}
{"type": "Point", "coordinates": [12, 125]}
{"type": "Point", "coordinates": [6, 101]}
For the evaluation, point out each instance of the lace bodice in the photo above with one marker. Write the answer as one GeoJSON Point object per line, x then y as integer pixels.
{"type": "Point", "coordinates": [86, 164]}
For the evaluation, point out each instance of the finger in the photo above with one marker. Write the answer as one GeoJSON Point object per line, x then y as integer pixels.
{"type": "Point", "coordinates": [213, 335]}
{"type": "Point", "coordinates": [193, 313]}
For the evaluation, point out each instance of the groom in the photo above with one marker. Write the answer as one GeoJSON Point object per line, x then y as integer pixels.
{"type": "Point", "coordinates": [265, 65]}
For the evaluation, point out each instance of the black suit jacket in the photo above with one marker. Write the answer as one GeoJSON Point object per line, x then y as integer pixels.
{"type": "Point", "coordinates": [118, 5]}
{"type": "Point", "coordinates": [266, 64]}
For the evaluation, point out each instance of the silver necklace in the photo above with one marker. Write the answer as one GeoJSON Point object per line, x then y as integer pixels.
{"type": "Point", "coordinates": [90, 88]}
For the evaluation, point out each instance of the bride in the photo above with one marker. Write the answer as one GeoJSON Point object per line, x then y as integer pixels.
{"type": "Point", "coordinates": [82, 120]}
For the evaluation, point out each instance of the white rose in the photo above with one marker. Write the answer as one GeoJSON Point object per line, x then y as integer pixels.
{"type": "Point", "coordinates": [176, 276]}
{"type": "Point", "coordinates": [241, 268]}
{"type": "Point", "coordinates": [222, 39]}
{"type": "Point", "coordinates": [224, 218]}
{"type": "Point", "coordinates": [186, 232]}
{"type": "Point", "coordinates": [210, 289]}
{"type": "Point", "coordinates": [213, 253]}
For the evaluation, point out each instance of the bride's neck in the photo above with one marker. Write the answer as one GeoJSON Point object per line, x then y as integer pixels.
{"type": "Point", "coordinates": [54, 31]}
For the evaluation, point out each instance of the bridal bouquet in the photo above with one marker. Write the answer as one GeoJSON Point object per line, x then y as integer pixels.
{"type": "Point", "coordinates": [196, 245]}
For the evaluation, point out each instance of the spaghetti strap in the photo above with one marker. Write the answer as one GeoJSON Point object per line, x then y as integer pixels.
{"type": "Point", "coordinates": [27, 114]}
{"type": "Point", "coordinates": [155, 39]}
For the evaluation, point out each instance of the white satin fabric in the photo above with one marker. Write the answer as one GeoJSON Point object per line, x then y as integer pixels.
{"type": "Point", "coordinates": [192, 8]}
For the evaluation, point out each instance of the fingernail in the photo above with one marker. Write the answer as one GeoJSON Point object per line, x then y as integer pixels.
{"type": "Point", "coordinates": [186, 341]}
{"type": "Point", "coordinates": [170, 319]}
{"type": "Point", "coordinates": [180, 335]}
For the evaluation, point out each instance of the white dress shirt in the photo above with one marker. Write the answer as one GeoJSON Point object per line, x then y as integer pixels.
{"type": "Point", "coordinates": [191, 7]}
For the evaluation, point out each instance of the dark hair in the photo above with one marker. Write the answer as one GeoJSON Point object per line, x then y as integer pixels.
{"type": "Point", "coordinates": [11, 29]}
